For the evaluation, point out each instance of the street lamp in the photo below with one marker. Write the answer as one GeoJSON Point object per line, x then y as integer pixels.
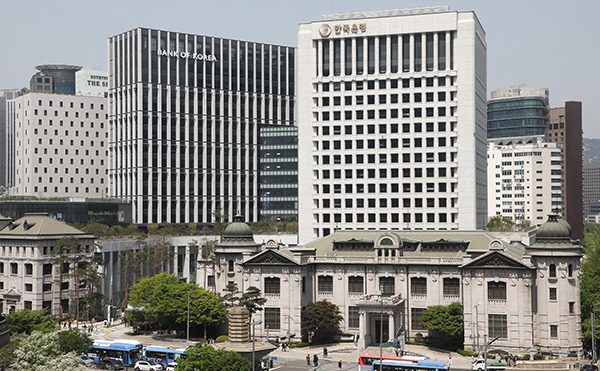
{"type": "Point", "coordinates": [477, 324]}
{"type": "Point", "coordinates": [381, 332]}
{"type": "Point", "coordinates": [253, 322]}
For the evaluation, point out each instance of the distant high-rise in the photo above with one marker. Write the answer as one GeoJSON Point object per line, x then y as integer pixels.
{"type": "Point", "coordinates": [391, 121]}
{"type": "Point", "coordinates": [591, 186]}
{"type": "Point", "coordinates": [565, 127]}
{"type": "Point", "coordinates": [518, 111]}
{"type": "Point", "coordinates": [5, 111]}
{"type": "Point", "coordinates": [54, 78]}
{"type": "Point", "coordinates": [186, 114]}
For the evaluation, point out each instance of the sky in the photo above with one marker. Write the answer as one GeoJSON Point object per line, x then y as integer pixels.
{"type": "Point", "coordinates": [537, 43]}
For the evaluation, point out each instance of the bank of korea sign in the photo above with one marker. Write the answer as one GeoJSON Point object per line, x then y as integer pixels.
{"type": "Point", "coordinates": [198, 56]}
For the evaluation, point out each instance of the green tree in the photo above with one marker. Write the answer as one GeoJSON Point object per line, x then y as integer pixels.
{"type": "Point", "coordinates": [142, 292]}
{"type": "Point", "coordinates": [220, 223]}
{"type": "Point", "coordinates": [445, 325]}
{"type": "Point", "coordinates": [252, 299]}
{"type": "Point", "coordinates": [74, 340]}
{"type": "Point", "coordinates": [62, 259]}
{"type": "Point", "coordinates": [590, 278]}
{"type": "Point", "coordinates": [205, 357]}
{"type": "Point", "coordinates": [320, 320]}
{"type": "Point", "coordinates": [27, 321]}
{"type": "Point", "coordinates": [42, 352]}
{"type": "Point", "coordinates": [500, 223]}
{"type": "Point", "coordinates": [230, 297]}
{"type": "Point", "coordinates": [97, 229]}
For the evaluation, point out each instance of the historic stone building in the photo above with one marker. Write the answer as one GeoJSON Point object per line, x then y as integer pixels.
{"type": "Point", "coordinates": [526, 296]}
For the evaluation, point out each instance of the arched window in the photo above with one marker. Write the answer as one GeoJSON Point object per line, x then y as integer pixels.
{"type": "Point", "coordinates": [230, 266]}
{"type": "Point", "coordinates": [570, 270]}
{"type": "Point", "coordinates": [552, 272]}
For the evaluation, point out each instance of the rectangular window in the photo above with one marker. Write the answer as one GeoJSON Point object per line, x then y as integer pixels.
{"type": "Point", "coordinates": [47, 287]}
{"type": "Point", "coordinates": [553, 331]}
{"type": "Point", "coordinates": [272, 285]}
{"type": "Point", "coordinates": [370, 55]}
{"type": "Point", "coordinates": [417, 52]}
{"type": "Point", "coordinates": [359, 58]}
{"type": "Point", "coordinates": [325, 284]}
{"type": "Point", "coordinates": [348, 56]}
{"type": "Point", "coordinates": [497, 326]}
{"type": "Point", "coordinates": [416, 316]}
{"type": "Point", "coordinates": [451, 287]}
{"type": "Point", "coordinates": [387, 286]}
{"type": "Point", "coordinates": [273, 318]}
{"type": "Point", "coordinates": [553, 294]}
{"type": "Point", "coordinates": [326, 58]}
{"type": "Point", "coordinates": [394, 53]}
{"type": "Point", "coordinates": [353, 317]}
{"type": "Point", "coordinates": [496, 290]}
{"type": "Point", "coordinates": [14, 268]}
{"type": "Point", "coordinates": [355, 285]}
{"type": "Point", "coordinates": [418, 286]}
{"type": "Point", "coordinates": [382, 54]}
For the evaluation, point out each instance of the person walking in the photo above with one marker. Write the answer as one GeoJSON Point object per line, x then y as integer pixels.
{"type": "Point", "coordinates": [308, 359]}
{"type": "Point", "coordinates": [340, 365]}
{"type": "Point", "coordinates": [324, 352]}
{"type": "Point", "coordinates": [315, 360]}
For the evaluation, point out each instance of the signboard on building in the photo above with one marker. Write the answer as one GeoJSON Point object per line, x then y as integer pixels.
{"type": "Point", "coordinates": [91, 83]}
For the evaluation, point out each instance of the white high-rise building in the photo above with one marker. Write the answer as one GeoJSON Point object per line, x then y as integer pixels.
{"type": "Point", "coordinates": [525, 180]}
{"type": "Point", "coordinates": [392, 121]}
{"type": "Point", "coordinates": [60, 146]}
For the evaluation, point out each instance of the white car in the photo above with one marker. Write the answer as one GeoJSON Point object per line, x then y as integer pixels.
{"type": "Point", "coordinates": [171, 366]}
{"type": "Point", "coordinates": [147, 366]}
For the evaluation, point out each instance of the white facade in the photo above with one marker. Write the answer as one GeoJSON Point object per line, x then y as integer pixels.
{"type": "Point", "coordinates": [527, 296]}
{"type": "Point", "coordinates": [525, 181]}
{"type": "Point", "coordinates": [60, 146]}
{"type": "Point", "coordinates": [392, 117]}
{"type": "Point", "coordinates": [91, 83]}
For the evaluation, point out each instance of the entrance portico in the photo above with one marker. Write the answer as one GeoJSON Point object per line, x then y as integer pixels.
{"type": "Point", "coordinates": [379, 319]}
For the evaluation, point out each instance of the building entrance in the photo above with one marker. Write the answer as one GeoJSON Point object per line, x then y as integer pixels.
{"type": "Point", "coordinates": [386, 332]}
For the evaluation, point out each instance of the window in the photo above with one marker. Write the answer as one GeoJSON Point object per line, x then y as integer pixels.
{"type": "Point", "coordinates": [14, 268]}
{"type": "Point", "coordinates": [418, 286]}
{"type": "Point", "coordinates": [553, 294]}
{"type": "Point", "coordinates": [497, 325]}
{"type": "Point", "coordinates": [353, 317]}
{"type": "Point", "coordinates": [417, 315]}
{"type": "Point", "coordinates": [273, 318]}
{"type": "Point", "coordinates": [47, 287]}
{"type": "Point", "coordinates": [552, 271]}
{"type": "Point", "coordinates": [451, 286]}
{"type": "Point", "coordinates": [28, 287]}
{"type": "Point", "coordinates": [496, 291]}
{"type": "Point", "coordinates": [570, 270]}
{"type": "Point", "coordinates": [325, 284]}
{"type": "Point", "coordinates": [272, 285]}
{"type": "Point", "coordinates": [230, 266]}
{"type": "Point", "coordinates": [47, 269]}
{"type": "Point", "coordinates": [387, 286]}
{"type": "Point", "coordinates": [553, 331]}
{"type": "Point", "coordinates": [571, 307]}
{"type": "Point", "coordinates": [355, 285]}
{"type": "Point", "coordinates": [28, 269]}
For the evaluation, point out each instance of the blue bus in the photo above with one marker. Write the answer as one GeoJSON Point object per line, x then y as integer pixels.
{"type": "Point", "coordinates": [420, 365]}
{"type": "Point", "coordinates": [125, 352]}
{"type": "Point", "coordinates": [162, 355]}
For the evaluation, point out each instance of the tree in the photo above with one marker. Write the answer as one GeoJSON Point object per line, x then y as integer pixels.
{"type": "Point", "coordinates": [42, 352]}
{"type": "Point", "coordinates": [320, 320]}
{"type": "Point", "coordinates": [500, 223]}
{"type": "Point", "coordinates": [230, 298]}
{"type": "Point", "coordinates": [60, 257]}
{"type": "Point", "coordinates": [27, 321]}
{"type": "Point", "coordinates": [252, 299]}
{"type": "Point", "coordinates": [142, 292]}
{"type": "Point", "coordinates": [97, 229]}
{"type": "Point", "coordinates": [590, 277]}
{"type": "Point", "coordinates": [74, 340]}
{"type": "Point", "coordinates": [445, 324]}
{"type": "Point", "coordinates": [205, 357]}
{"type": "Point", "coordinates": [220, 222]}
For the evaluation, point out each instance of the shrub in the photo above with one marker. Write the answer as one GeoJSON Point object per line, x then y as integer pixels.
{"type": "Point", "coordinates": [301, 345]}
{"type": "Point", "coordinates": [222, 339]}
{"type": "Point", "coordinates": [419, 338]}
{"type": "Point", "coordinates": [466, 353]}
{"type": "Point", "coordinates": [538, 356]}
{"type": "Point", "coordinates": [524, 357]}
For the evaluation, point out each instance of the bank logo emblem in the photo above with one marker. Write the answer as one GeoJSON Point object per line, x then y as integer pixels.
{"type": "Point", "coordinates": [324, 30]}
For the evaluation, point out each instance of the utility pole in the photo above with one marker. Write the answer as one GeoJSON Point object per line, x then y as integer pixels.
{"type": "Point", "coordinates": [253, 322]}
{"type": "Point", "coordinates": [187, 339]}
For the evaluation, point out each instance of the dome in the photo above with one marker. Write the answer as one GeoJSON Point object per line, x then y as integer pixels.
{"type": "Point", "coordinates": [238, 228]}
{"type": "Point", "coordinates": [554, 229]}
{"type": "Point", "coordinates": [566, 224]}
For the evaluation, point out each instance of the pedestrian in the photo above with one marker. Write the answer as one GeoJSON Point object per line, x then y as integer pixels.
{"type": "Point", "coordinates": [315, 360]}
{"type": "Point", "coordinates": [449, 360]}
{"type": "Point", "coordinates": [308, 359]}
{"type": "Point", "coordinates": [340, 365]}
{"type": "Point", "coordinates": [324, 352]}
{"type": "Point", "coordinates": [282, 347]}
{"type": "Point", "coordinates": [69, 325]}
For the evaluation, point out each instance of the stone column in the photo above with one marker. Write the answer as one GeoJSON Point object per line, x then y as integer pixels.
{"type": "Point", "coordinates": [362, 331]}
{"type": "Point", "coordinates": [391, 326]}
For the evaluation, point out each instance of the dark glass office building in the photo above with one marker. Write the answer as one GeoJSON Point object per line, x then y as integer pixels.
{"type": "Point", "coordinates": [278, 173]}
{"type": "Point", "coordinates": [518, 112]}
{"type": "Point", "coordinates": [185, 115]}
{"type": "Point", "coordinates": [54, 79]}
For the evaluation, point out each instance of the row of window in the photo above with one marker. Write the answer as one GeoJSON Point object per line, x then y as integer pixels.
{"type": "Point", "coordinates": [383, 143]}
{"type": "Point", "coordinates": [417, 82]}
{"type": "Point", "coordinates": [45, 113]}
{"type": "Point", "coordinates": [46, 268]}
{"type": "Point", "coordinates": [382, 202]}
{"type": "Point", "coordinates": [417, 127]}
{"type": "Point", "coordinates": [383, 99]}
{"type": "Point", "coordinates": [384, 218]}
{"type": "Point", "coordinates": [385, 113]}
{"type": "Point", "coordinates": [71, 105]}
{"type": "Point", "coordinates": [383, 158]}
{"type": "Point", "coordinates": [383, 188]}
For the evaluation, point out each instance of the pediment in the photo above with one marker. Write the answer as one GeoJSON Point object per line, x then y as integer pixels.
{"type": "Point", "coordinates": [12, 293]}
{"type": "Point", "coordinates": [494, 260]}
{"type": "Point", "coordinates": [270, 257]}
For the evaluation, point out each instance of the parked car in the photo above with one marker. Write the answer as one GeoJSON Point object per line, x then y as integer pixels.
{"type": "Point", "coordinates": [109, 364]}
{"type": "Point", "coordinates": [171, 366]}
{"type": "Point", "coordinates": [147, 366]}
{"type": "Point", "coordinates": [589, 367]}
{"type": "Point", "coordinates": [85, 360]}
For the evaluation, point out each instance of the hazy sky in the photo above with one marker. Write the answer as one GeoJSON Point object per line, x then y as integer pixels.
{"type": "Point", "coordinates": [540, 43]}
